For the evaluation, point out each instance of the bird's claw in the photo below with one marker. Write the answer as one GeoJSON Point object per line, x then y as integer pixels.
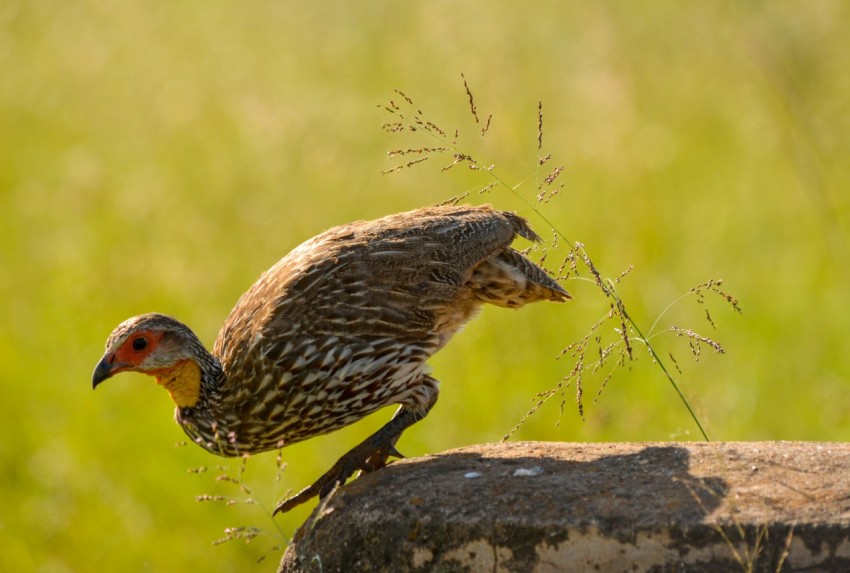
{"type": "Point", "coordinates": [379, 458]}
{"type": "Point", "coordinates": [368, 456]}
{"type": "Point", "coordinates": [343, 469]}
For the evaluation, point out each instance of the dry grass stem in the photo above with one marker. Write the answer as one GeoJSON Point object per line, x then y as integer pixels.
{"type": "Point", "coordinates": [696, 340]}
{"type": "Point", "coordinates": [545, 191]}
{"type": "Point", "coordinates": [709, 319]}
{"type": "Point", "coordinates": [486, 127]}
{"type": "Point", "coordinates": [406, 98]}
{"type": "Point", "coordinates": [472, 107]}
{"type": "Point", "coordinates": [410, 163]}
{"type": "Point", "coordinates": [713, 285]}
{"type": "Point", "coordinates": [232, 533]}
{"type": "Point", "coordinates": [206, 497]}
{"type": "Point", "coordinates": [432, 127]}
{"type": "Point", "coordinates": [623, 274]}
{"type": "Point", "coordinates": [549, 179]}
{"type": "Point", "coordinates": [600, 353]}
{"type": "Point", "coordinates": [454, 200]}
{"type": "Point", "coordinates": [568, 266]}
{"type": "Point", "coordinates": [393, 127]}
{"type": "Point", "coordinates": [675, 362]}
{"type": "Point", "coordinates": [418, 151]}
{"type": "Point", "coordinates": [786, 550]}
{"type": "Point", "coordinates": [621, 361]}
{"type": "Point", "coordinates": [460, 158]}
{"type": "Point", "coordinates": [232, 476]}
{"type": "Point", "coordinates": [540, 128]}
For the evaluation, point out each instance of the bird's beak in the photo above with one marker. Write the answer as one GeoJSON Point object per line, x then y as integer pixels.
{"type": "Point", "coordinates": [106, 368]}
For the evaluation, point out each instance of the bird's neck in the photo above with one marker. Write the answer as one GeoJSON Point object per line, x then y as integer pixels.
{"type": "Point", "coordinates": [187, 381]}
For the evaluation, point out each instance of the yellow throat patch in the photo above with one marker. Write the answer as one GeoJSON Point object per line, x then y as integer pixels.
{"type": "Point", "coordinates": [183, 382]}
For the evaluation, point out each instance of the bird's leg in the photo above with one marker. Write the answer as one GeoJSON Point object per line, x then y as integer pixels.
{"type": "Point", "coordinates": [379, 457]}
{"type": "Point", "coordinates": [370, 455]}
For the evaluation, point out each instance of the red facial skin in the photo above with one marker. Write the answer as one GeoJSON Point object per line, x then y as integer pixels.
{"type": "Point", "coordinates": [128, 358]}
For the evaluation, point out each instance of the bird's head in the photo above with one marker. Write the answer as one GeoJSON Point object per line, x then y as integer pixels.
{"type": "Point", "coordinates": [160, 346]}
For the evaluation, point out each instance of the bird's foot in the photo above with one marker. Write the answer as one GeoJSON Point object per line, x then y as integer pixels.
{"type": "Point", "coordinates": [379, 458]}
{"type": "Point", "coordinates": [371, 455]}
{"type": "Point", "coordinates": [368, 456]}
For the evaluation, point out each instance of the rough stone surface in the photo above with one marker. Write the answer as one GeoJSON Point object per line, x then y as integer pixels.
{"type": "Point", "coordinates": [553, 507]}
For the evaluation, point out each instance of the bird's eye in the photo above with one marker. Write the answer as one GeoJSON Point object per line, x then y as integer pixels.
{"type": "Point", "coordinates": [139, 343]}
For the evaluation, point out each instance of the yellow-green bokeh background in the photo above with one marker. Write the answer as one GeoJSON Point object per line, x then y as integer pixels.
{"type": "Point", "coordinates": [160, 155]}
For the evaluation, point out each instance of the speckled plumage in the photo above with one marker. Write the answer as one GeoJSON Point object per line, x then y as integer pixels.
{"type": "Point", "coordinates": [343, 325]}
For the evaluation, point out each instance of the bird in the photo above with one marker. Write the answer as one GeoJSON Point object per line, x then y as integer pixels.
{"type": "Point", "coordinates": [337, 329]}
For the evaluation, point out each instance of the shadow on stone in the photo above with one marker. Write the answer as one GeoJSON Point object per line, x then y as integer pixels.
{"type": "Point", "coordinates": [513, 507]}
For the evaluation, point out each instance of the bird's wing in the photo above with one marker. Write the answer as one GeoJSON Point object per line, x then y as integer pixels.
{"type": "Point", "coordinates": [401, 278]}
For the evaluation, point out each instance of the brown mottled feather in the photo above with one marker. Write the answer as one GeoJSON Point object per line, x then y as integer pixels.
{"type": "Point", "coordinates": [342, 326]}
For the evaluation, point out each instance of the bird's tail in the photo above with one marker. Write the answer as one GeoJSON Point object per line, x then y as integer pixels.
{"type": "Point", "coordinates": [510, 280]}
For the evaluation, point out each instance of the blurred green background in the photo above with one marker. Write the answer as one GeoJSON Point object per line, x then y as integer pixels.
{"type": "Point", "coordinates": [160, 155]}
